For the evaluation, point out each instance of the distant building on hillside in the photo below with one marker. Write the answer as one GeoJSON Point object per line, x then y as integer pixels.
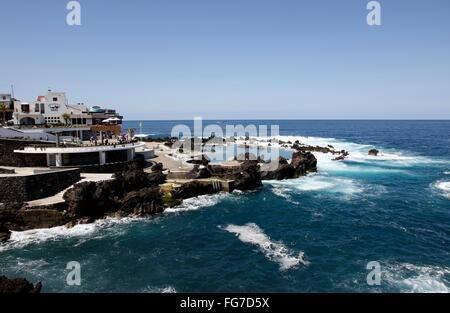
{"type": "Point", "coordinates": [54, 109]}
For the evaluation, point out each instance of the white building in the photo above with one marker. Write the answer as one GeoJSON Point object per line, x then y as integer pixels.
{"type": "Point", "coordinates": [53, 108]}
{"type": "Point", "coordinates": [88, 155]}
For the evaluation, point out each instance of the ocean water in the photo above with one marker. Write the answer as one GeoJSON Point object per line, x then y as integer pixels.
{"type": "Point", "coordinates": [312, 234]}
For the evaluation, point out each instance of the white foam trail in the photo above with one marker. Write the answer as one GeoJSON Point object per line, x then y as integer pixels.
{"type": "Point", "coordinates": [151, 289]}
{"type": "Point", "coordinates": [196, 203]}
{"type": "Point", "coordinates": [20, 239]}
{"type": "Point", "coordinates": [446, 173]}
{"type": "Point", "coordinates": [421, 279]}
{"type": "Point", "coordinates": [318, 182]}
{"type": "Point", "coordinates": [282, 192]}
{"type": "Point", "coordinates": [274, 251]}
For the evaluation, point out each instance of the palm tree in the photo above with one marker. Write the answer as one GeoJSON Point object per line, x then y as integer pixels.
{"type": "Point", "coordinates": [66, 118]}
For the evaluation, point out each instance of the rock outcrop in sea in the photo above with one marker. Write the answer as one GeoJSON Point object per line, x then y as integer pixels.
{"type": "Point", "coordinates": [18, 286]}
{"type": "Point", "coordinates": [301, 163]}
{"type": "Point", "coordinates": [132, 192]}
{"type": "Point", "coordinates": [328, 149]}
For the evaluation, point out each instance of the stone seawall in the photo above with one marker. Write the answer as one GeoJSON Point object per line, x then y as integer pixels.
{"type": "Point", "coordinates": [17, 188]}
{"type": "Point", "coordinates": [9, 158]}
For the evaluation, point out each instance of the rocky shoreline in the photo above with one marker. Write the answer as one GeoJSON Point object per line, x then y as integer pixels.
{"type": "Point", "coordinates": [134, 192]}
{"type": "Point", "coordinates": [18, 286]}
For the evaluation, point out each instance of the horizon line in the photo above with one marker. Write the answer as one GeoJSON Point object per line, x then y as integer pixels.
{"type": "Point", "coordinates": [286, 119]}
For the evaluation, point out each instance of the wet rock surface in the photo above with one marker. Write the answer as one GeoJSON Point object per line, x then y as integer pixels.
{"type": "Point", "coordinates": [5, 234]}
{"type": "Point", "coordinates": [18, 286]}
{"type": "Point", "coordinates": [301, 163]}
{"type": "Point", "coordinates": [132, 192]}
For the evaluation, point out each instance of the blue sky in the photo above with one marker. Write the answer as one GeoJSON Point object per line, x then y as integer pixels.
{"type": "Point", "coordinates": [231, 59]}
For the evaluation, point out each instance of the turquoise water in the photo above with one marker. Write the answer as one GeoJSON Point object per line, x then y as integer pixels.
{"type": "Point", "coordinates": [312, 234]}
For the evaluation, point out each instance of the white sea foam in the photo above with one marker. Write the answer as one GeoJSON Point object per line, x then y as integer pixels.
{"type": "Point", "coordinates": [422, 279]}
{"type": "Point", "coordinates": [359, 154]}
{"type": "Point", "coordinates": [443, 187]}
{"type": "Point", "coordinates": [284, 193]}
{"type": "Point", "coordinates": [196, 203]}
{"type": "Point", "coordinates": [152, 289]}
{"type": "Point", "coordinates": [446, 173]}
{"type": "Point", "coordinates": [20, 239]}
{"type": "Point", "coordinates": [274, 251]}
{"type": "Point", "coordinates": [319, 182]}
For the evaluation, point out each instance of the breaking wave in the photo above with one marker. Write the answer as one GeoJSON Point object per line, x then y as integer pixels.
{"type": "Point", "coordinates": [386, 159]}
{"type": "Point", "coordinates": [283, 193]}
{"type": "Point", "coordinates": [274, 251]}
{"type": "Point", "coordinates": [20, 239]}
{"type": "Point", "coordinates": [318, 182]}
{"type": "Point", "coordinates": [196, 203]}
{"type": "Point", "coordinates": [422, 279]}
{"type": "Point", "coordinates": [443, 187]}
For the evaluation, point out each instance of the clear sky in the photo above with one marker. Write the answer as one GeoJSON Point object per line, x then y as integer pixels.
{"type": "Point", "coordinates": [231, 59]}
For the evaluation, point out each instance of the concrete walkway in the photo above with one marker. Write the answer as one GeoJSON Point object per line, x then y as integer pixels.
{"type": "Point", "coordinates": [161, 156]}
{"type": "Point", "coordinates": [58, 198]}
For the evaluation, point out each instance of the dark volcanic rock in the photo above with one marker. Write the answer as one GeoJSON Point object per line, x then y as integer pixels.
{"type": "Point", "coordinates": [5, 234]}
{"type": "Point", "coordinates": [15, 216]}
{"type": "Point", "coordinates": [192, 189]}
{"type": "Point", "coordinates": [305, 160]}
{"type": "Point", "coordinates": [41, 217]}
{"type": "Point", "coordinates": [157, 167]}
{"type": "Point", "coordinates": [305, 148]}
{"type": "Point", "coordinates": [132, 192]}
{"type": "Point", "coordinates": [373, 152]}
{"type": "Point", "coordinates": [198, 172]}
{"type": "Point", "coordinates": [246, 176]}
{"type": "Point", "coordinates": [203, 160]}
{"type": "Point", "coordinates": [18, 285]}
{"type": "Point", "coordinates": [339, 158]}
{"type": "Point", "coordinates": [8, 211]}
{"type": "Point", "coordinates": [301, 163]}
{"type": "Point", "coordinates": [88, 199]}
{"type": "Point", "coordinates": [134, 178]}
{"type": "Point", "coordinates": [146, 201]}
{"type": "Point", "coordinates": [283, 171]}
{"type": "Point", "coordinates": [342, 156]}
{"type": "Point", "coordinates": [249, 177]}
